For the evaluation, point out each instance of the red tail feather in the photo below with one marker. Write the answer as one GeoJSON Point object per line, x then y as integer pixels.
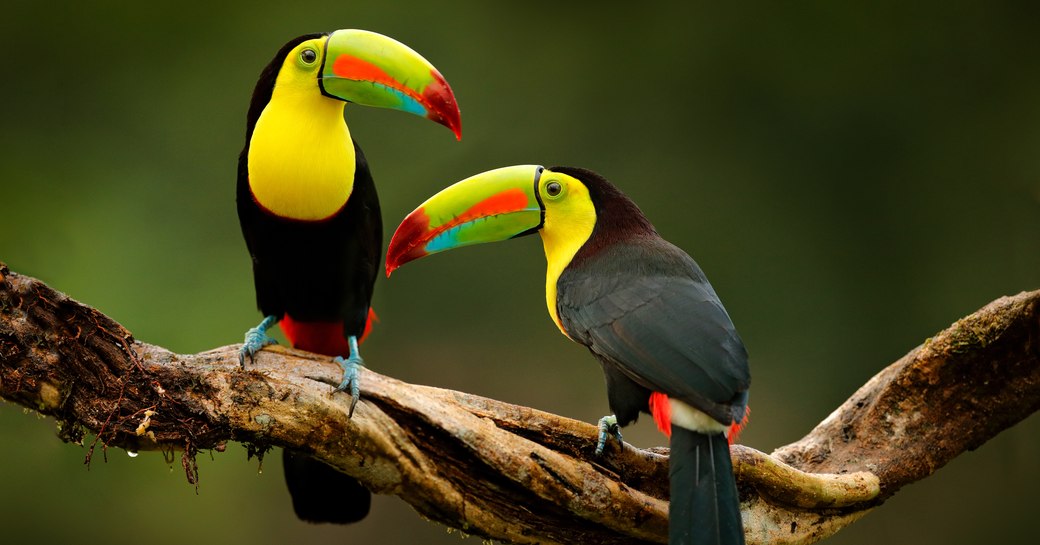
{"type": "Point", "coordinates": [737, 427]}
{"type": "Point", "coordinates": [322, 337]}
{"type": "Point", "coordinates": [661, 410]}
{"type": "Point", "coordinates": [372, 318]}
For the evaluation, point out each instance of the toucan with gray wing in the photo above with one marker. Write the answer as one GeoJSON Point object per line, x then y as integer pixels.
{"type": "Point", "coordinates": [641, 305]}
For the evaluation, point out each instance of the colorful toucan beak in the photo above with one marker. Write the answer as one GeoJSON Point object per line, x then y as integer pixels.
{"type": "Point", "coordinates": [371, 69]}
{"type": "Point", "coordinates": [496, 205]}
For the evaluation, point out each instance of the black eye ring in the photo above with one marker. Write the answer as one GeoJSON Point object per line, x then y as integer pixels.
{"type": "Point", "coordinates": [553, 188]}
{"type": "Point", "coordinates": [308, 56]}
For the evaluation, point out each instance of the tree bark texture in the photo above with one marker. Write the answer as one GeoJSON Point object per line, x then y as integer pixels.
{"type": "Point", "coordinates": [504, 471]}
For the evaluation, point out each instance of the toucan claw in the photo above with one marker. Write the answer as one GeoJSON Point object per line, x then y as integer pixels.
{"type": "Point", "coordinates": [608, 426]}
{"type": "Point", "coordinates": [255, 339]}
{"type": "Point", "coordinates": [351, 380]}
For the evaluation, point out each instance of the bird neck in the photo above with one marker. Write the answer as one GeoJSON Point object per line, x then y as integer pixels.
{"type": "Point", "coordinates": [301, 158]}
{"type": "Point", "coordinates": [562, 236]}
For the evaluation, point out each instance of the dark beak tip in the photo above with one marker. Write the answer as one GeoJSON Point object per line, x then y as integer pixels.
{"type": "Point", "coordinates": [392, 263]}
{"type": "Point", "coordinates": [395, 257]}
{"type": "Point", "coordinates": [444, 109]}
{"type": "Point", "coordinates": [449, 116]}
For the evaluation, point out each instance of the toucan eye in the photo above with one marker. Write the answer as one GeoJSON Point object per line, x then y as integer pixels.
{"type": "Point", "coordinates": [308, 56]}
{"type": "Point", "coordinates": [553, 188]}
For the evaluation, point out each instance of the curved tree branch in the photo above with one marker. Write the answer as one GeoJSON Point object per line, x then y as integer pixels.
{"type": "Point", "coordinates": [505, 471]}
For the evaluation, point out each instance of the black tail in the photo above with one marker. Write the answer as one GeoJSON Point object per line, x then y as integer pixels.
{"type": "Point", "coordinates": [704, 509]}
{"type": "Point", "coordinates": [323, 494]}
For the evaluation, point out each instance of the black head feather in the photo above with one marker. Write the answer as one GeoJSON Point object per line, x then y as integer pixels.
{"type": "Point", "coordinates": [618, 218]}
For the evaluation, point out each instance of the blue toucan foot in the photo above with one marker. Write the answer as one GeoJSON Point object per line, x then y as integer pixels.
{"type": "Point", "coordinates": [608, 426]}
{"type": "Point", "coordinates": [256, 338]}
{"type": "Point", "coordinates": [350, 366]}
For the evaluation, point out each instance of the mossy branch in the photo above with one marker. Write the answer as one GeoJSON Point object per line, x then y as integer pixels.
{"type": "Point", "coordinates": [504, 471]}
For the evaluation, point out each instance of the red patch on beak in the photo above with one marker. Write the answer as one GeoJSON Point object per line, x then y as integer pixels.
{"type": "Point", "coordinates": [437, 97]}
{"type": "Point", "coordinates": [353, 68]}
{"type": "Point", "coordinates": [348, 67]}
{"type": "Point", "coordinates": [509, 200]}
{"type": "Point", "coordinates": [411, 237]}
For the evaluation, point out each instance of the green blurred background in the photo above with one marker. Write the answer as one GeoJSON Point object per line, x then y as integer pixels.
{"type": "Point", "coordinates": [852, 179]}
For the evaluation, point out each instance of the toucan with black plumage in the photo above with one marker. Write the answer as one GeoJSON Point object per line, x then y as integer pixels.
{"type": "Point", "coordinates": [310, 215]}
{"type": "Point", "coordinates": [641, 305]}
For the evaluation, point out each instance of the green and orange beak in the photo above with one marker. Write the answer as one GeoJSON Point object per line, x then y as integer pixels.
{"type": "Point", "coordinates": [373, 70]}
{"type": "Point", "coordinates": [496, 205]}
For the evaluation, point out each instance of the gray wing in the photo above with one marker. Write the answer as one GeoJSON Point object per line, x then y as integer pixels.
{"type": "Point", "coordinates": [650, 311]}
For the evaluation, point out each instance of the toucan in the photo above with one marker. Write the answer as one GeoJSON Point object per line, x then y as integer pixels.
{"type": "Point", "coordinates": [641, 305]}
{"type": "Point", "coordinates": [310, 215]}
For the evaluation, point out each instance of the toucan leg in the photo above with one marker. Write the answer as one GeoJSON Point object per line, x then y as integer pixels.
{"type": "Point", "coordinates": [256, 338]}
{"type": "Point", "coordinates": [608, 426]}
{"type": "Point", "coordinates": [350, 373]}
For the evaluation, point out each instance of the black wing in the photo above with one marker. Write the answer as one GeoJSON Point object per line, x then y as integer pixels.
{"type": "Point", "coordinates": [316, 271]}
{"type": "Point", "coordinates": [647, 308]}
